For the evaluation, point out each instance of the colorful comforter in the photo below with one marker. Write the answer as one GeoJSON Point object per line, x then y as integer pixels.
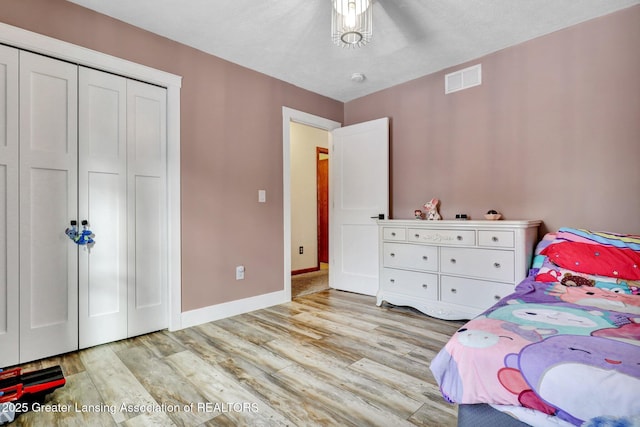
{"type": "Point", "coordinates": [565, 343]}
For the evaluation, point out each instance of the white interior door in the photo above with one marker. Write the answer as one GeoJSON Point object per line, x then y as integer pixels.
{"type": "Point", "coordinates": [9, 323]}
{"type": "Point", "coordinates": [48, 201]}
{"type": "Point", "coordinates": [359, 182]}
{"type": "Point", "coordinates": [147, 207]}
{"type": "Point", "coordinates": [102, 190]}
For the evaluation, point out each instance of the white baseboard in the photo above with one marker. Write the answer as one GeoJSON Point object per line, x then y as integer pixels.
{"type": "Point", "coordinates": [232, 308]}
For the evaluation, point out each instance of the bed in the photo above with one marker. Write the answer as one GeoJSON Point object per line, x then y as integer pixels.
{"type": "Point", "coordinates": [563, 349]}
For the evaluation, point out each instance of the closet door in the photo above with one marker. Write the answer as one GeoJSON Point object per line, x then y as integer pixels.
{"type": "Point", "coordinates": [102, 189]}
{"type": "Point", "coordinates": [9, 354]}
{"type": "Point", "coordinates": [48, 201]}
{"type": "Point", "coordinates": [147, 207]}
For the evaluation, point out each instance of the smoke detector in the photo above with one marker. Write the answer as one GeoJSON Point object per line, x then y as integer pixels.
{"type": "Point", "coordinates": [358, 77]}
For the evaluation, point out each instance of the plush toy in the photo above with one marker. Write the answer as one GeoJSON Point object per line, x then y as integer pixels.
{"type": "Point", "coordinates": [432, 210]}
{"type": "Point", "coordinates": [572, 280]}
{"type": "Point", "coordinates": [418, 214]}
{"type": "Point", "coordinates": [72, 232]}
{"type": "Point", "coordinates": [84, 237]}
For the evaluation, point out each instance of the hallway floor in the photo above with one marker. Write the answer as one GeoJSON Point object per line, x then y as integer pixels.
{"type": "Point", "coordinates": [309, 283]}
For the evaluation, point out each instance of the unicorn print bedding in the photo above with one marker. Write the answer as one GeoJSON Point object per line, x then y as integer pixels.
{"type": "Point", "coordinates": [565, 345]}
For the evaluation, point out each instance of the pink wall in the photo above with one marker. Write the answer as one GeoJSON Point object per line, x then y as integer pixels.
{"type": "Point", "coordinates": [553, 132]}
{"type": "Point", "coordinates": [231, 146]}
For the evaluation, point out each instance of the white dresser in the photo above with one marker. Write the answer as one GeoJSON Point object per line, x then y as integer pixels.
{"type": "Point", "coordinates": [452, 269]}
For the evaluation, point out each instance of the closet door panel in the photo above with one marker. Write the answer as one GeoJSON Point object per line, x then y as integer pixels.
{"type": "Point", "coordinates": [147, 206]}
{"type": "Point", "coordinates": [148, 237]}
{"type": "Point", "coordinates": [51, 278]}
{"type": "Point", "coordinates": [48, 201]}
{"type": "Point", "coordinates": [102, 183]}
{"type": "Point", "coordinates": [9, 288]}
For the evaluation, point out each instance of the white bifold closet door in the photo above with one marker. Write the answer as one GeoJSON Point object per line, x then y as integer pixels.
{"type": "Point", "coordinates": [9, 321]}
{"type": "Point", "coordinates": [48, 201]}
{"type": "Point", "coordinates": [122, 187]}
{"type": "Point", "coordinates": [92, 147]}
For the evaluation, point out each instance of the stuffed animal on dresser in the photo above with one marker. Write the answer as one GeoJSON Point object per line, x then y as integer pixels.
{"type": "Point", "coordinates": [432, 210]}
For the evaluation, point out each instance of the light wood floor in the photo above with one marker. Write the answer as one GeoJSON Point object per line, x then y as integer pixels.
{"type": "Point", "coordinates": [329, 358]}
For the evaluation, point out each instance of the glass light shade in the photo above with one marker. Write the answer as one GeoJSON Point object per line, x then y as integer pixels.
{"type": "Point", "coordinates": [351, 22]}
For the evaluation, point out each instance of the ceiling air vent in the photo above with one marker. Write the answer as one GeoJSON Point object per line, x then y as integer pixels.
{"type": "Point", "coordinates": [463, 79]}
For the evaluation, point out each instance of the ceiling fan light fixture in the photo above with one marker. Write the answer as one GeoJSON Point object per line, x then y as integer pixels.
{"type": "Point", "coordinates": [351, 22]}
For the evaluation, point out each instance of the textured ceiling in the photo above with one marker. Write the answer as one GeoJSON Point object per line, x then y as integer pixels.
{"type": "Point", "coordinates": [290, 39]}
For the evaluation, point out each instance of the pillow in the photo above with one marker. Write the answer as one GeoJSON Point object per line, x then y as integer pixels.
{"type": "Point", "coordinates": [546, 240]}
{"type": "Point", "coordinates": [590, 258]}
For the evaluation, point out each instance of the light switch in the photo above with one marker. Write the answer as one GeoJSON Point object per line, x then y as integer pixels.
{"type": "Point", "coordinates": [262, 196]}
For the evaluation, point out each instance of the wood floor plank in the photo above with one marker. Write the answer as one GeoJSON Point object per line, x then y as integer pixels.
{"type": "Point", "coordinates": [161, 343]}
{"type": "Point", "coordinates": [351, 406]}
{"type": "Point", "coordinates": [235, 347]}
{"type": "Point", "coordinates": [224, 394]}
{"type": "Point", "coordinates": [277, 322]}
{"type": "Point", "coordinates": [245, 327]}
{"type": "Point", "coordinates": [299, 407]}
{"type": "Point", "coordinates": [347, 319]}
{"type": "Point", "coordinates": [327, 368]}
{"type": "Point", "coordinates": [80, 401]}
{"type": "Point", "coordinates": [116, 384]}
{"type": "Point", "coordinates": [204, 347]}
{"type": "Point", "coordinates": [369, 337]}
{"type": "Point", "coordinates": [418, 389]}
{"type": "Point", "coordinates": [165, 385]}
{"type": "Point", "coordinates": [428, 416]}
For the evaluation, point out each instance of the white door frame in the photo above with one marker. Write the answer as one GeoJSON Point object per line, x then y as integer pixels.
{"type": "Point", "coordinates": [28, 40]}
{"type": "Point", "coordinates": [290, 115]}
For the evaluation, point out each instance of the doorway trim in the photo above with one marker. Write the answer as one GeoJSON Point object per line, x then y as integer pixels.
{"type": "Point", "coordinates": [290, 115]}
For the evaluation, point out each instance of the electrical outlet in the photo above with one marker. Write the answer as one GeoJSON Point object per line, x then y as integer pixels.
{"type": "Point", "coordinates": [301, 250]}
{"type": "Point", "coordinates": [240, 272]}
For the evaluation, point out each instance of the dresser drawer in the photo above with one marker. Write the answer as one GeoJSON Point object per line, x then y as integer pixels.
{"type": "Point", "coordinates": [422, 285]}
{"type": "Point", "coordinates": [417, 257]}
{"type": "Point", "coordinates": [472, 292]}
{"type": "Point", "coordinates": [442, 237]}
{"type": "Point", "coordinates": [391, 233]}
{"type": "Point", "coordinates": [483, 263]}
{"type": "Point", "coordinates": [496, 239]}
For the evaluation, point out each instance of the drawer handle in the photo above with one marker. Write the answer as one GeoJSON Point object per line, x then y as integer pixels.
{"type": "Point", "coordinates": [392, 280]}
{"type": "Point", "coordinates": [424, 257]}
{"type": "Point", "coordinates": [393, 234]}
{"type": "Point", "coordinates": [424, 286]}
{"type": "Point", "coordinates": [392, 254]}
{"type": "Point", "coordinates": [494, 239]}
{"type": "Point", "coordinates": [459, 237]}
{"type": "Point", "coordinates": [454, 290]}
{"type": "Point", "coordinates": [453, 260]}
{"type": "Point", "coordinates": [496, 264]}
{"type": "Point", "coordinates": [416, 235]}
{"type": "Point", "coordinates": [496, 297]}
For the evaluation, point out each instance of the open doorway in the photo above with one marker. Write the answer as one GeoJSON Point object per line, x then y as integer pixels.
{"type": "Point", "coordinates": [309, 209]}
{"type": "Point", "coordinates": [291, 248]}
